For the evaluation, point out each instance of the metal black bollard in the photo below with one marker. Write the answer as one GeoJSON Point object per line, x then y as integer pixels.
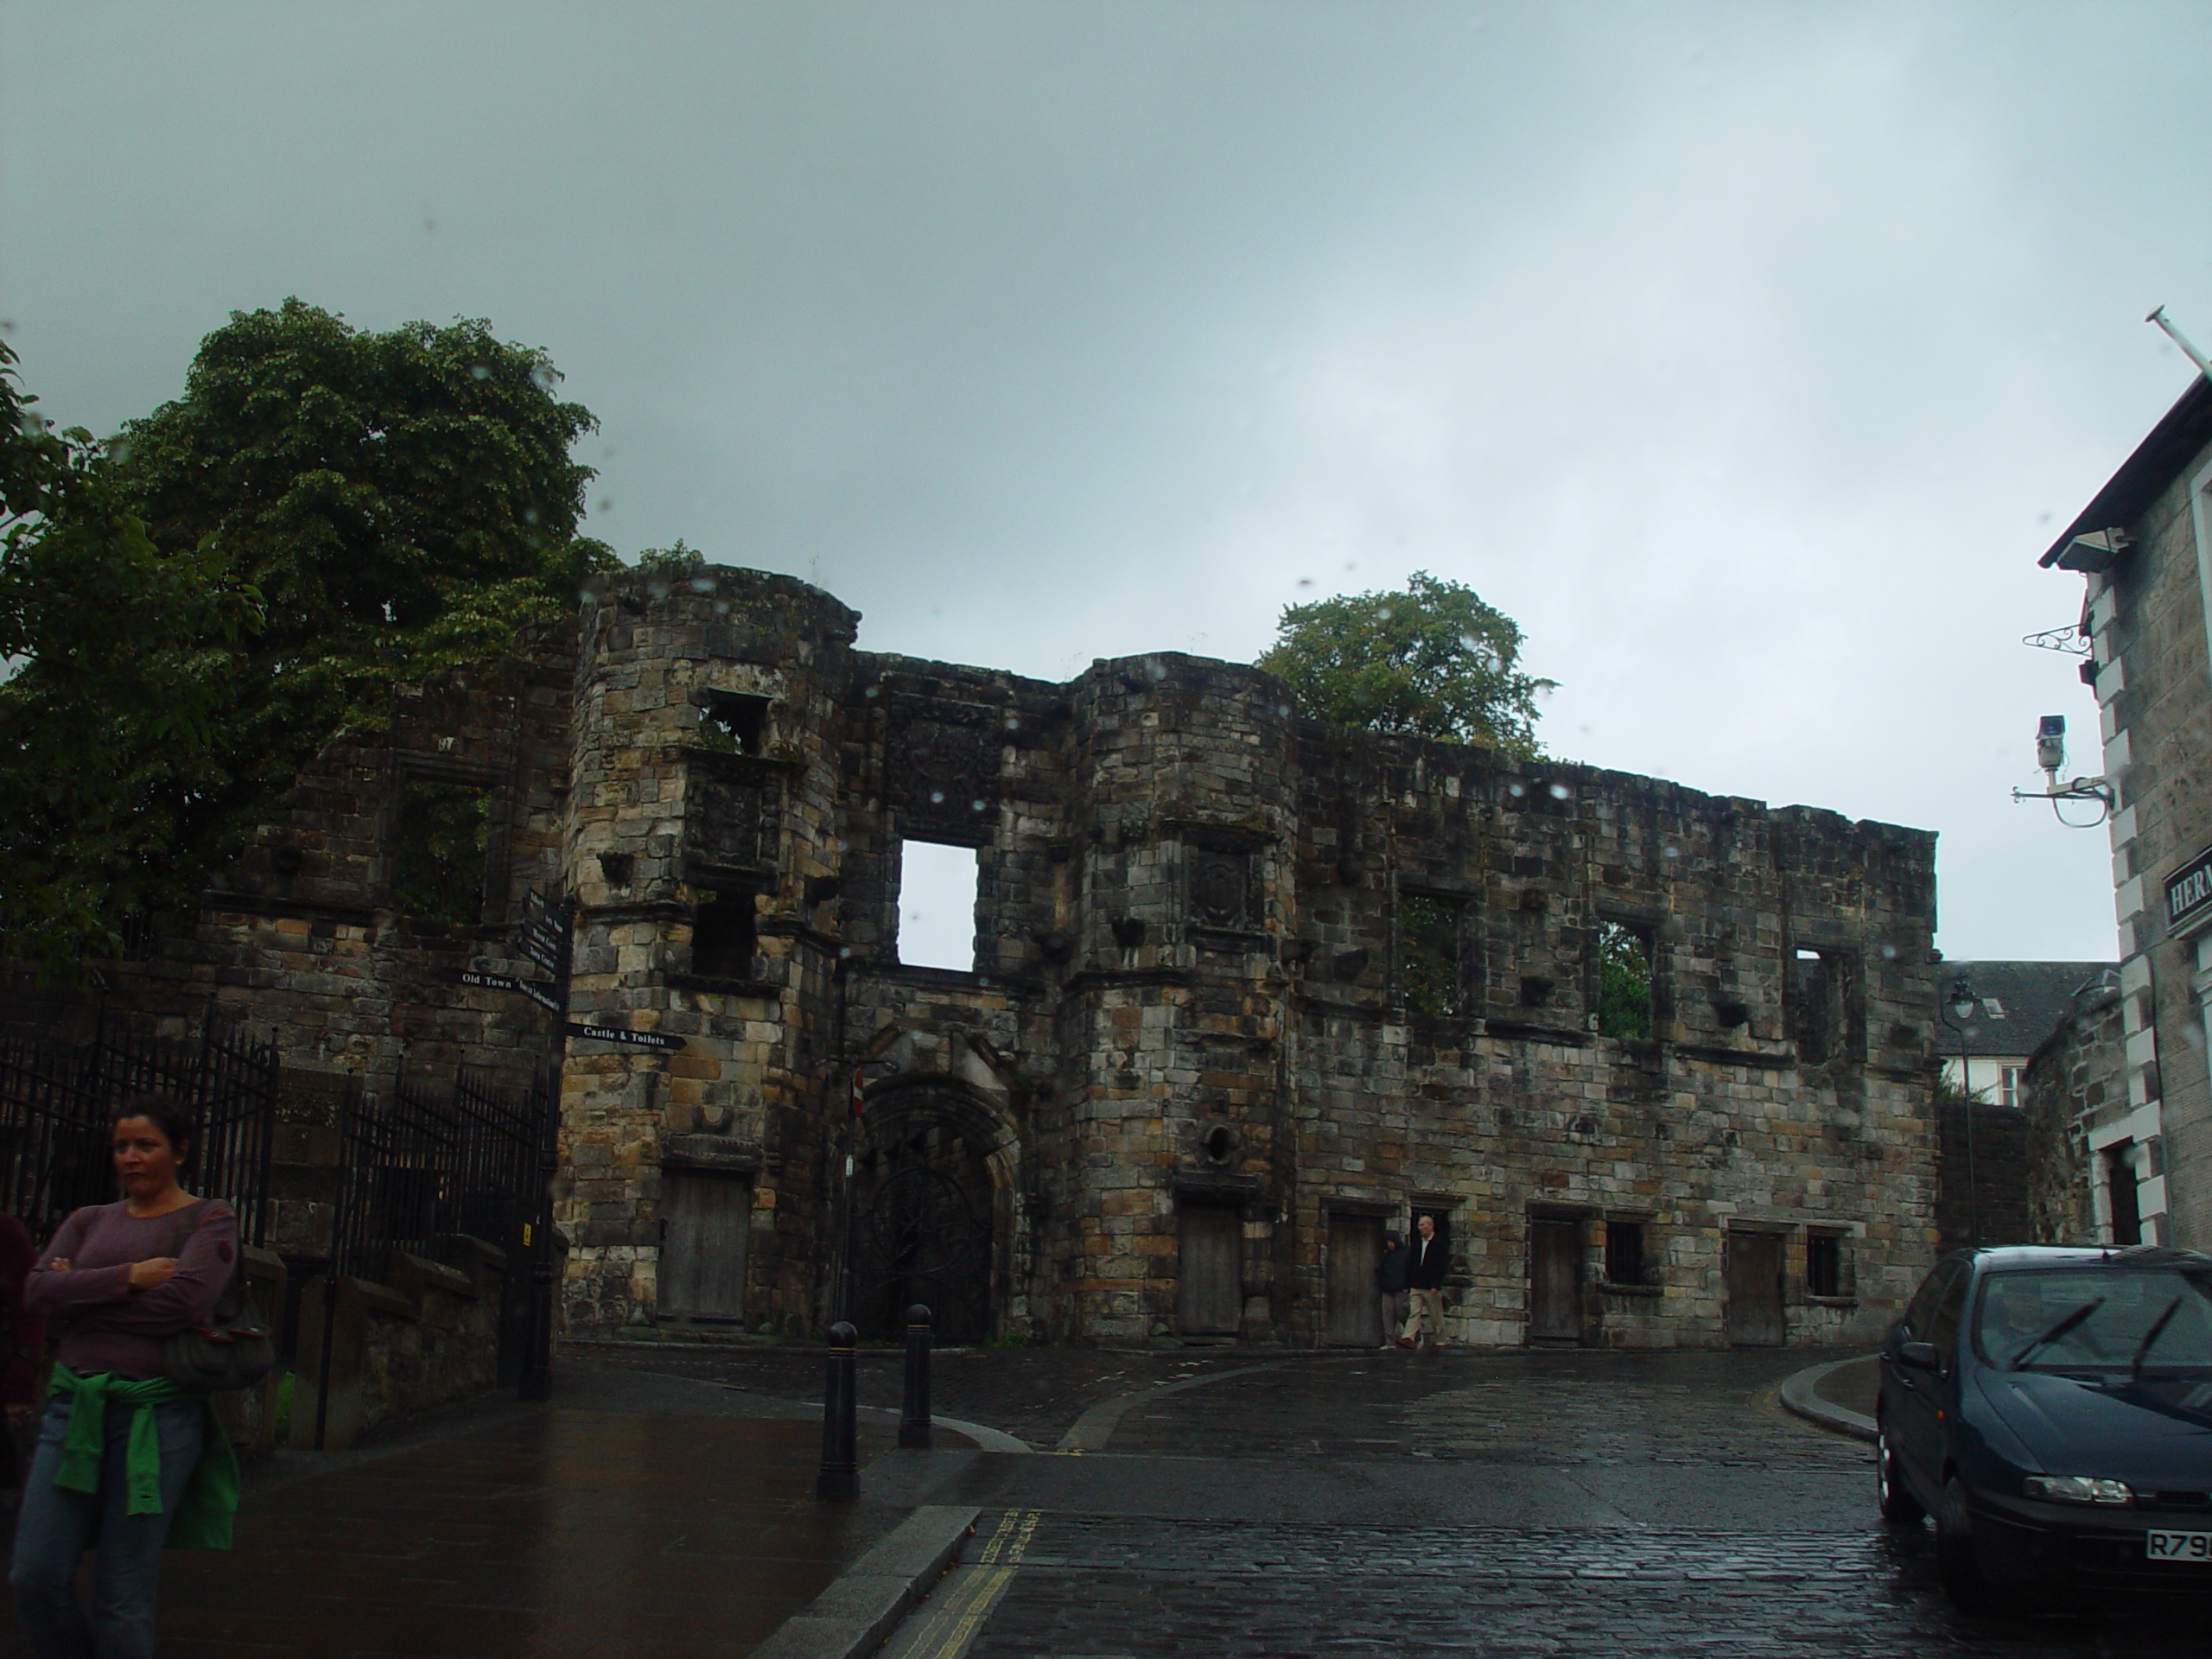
{"type": "Point", "coordinates": [840, 1478]}
{"type": "Point", "coordinates": [914, 1422]}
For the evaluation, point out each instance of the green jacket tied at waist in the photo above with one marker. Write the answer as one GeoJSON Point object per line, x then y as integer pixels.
{"type": "Point", "coordinates": [211, 1496]}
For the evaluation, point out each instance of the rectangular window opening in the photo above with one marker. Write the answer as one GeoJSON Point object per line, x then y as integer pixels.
{"type": "Point", "coordinates": [438, 852]}
{"type": "Point", "coordinates": [1811, 986]}
{"type": "Point", "coordinates": [1823, 1264]}
{"type": "Point", "coordinates": [2127, 1210]}
{"type": "Point", "coordinates": [1624, 1252]}
{"type": "Point", "coordinates": [724, 933]}
{"type": "Point", "coordinates": [734, 722]}
{"type": "Point", "coordinates": [938, 888]}
{"type": "Point", "coordinates": [1429, 933]}
{"type": "Point", "coordinates": [1624, 954]}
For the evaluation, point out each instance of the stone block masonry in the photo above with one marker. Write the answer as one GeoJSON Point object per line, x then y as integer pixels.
{"type": "Point", "coordinates": [1246, 991]}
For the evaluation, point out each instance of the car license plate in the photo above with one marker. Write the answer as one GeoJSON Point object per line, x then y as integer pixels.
{"type": "Point", "coordinates": [2178, 1546]}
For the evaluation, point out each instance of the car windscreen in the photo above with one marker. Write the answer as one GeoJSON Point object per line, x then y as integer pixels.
{"type": "Point", "coordinates": [2095, 1318]}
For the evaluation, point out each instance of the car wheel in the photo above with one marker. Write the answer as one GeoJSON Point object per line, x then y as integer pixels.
{"type": "Point", "coordinates": [1957, 1568]}
{"type": "Point", "coordinates": [1894, 1500]}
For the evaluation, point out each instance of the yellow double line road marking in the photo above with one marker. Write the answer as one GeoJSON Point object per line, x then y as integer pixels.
{"type": "Point", "coordinates": [953, 1624]}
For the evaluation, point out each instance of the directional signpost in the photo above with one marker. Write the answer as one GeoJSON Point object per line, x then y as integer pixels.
{"type": "Point", "coordinates": [547, 938]}
{"type": "Point", "coordinates": [627, 1038]}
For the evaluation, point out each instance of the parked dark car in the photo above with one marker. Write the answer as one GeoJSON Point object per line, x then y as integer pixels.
{"type": "Point", "coordinates": [2052, 1409]}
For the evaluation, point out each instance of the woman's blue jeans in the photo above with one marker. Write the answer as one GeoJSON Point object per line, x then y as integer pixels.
{"type": "Point", "coordinates": [55, 1526]}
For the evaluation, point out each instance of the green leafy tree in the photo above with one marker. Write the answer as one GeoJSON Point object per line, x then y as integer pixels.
{"type": "Point", "coordinates": [1435, 661]}
{"type": "Point", "coordinates": [118, 656]}
{"type": "Point", "coordinates": [402, 501]}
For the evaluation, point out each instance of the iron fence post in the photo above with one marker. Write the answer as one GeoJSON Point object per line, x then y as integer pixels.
{"type": "Point", "coordinates": [914, 1419]}
{"type": "Point", "coordinates": [538, 1358]}
{"type": "Point", "coordinates": [839, 1480]}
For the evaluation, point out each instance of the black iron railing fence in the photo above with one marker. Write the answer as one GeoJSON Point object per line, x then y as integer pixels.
{"type": "Point", "coordinates": [430, 1158]}
{"type": "Point", "coordinates": [57, 1099]}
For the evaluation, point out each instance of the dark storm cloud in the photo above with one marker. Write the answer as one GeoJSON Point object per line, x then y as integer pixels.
{"type": "Point", "coordinates": [1739, 352]}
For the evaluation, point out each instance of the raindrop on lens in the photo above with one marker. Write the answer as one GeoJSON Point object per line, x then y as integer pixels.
{"type": "Point", "coordinates": [975, 806]}
{"type": "Point", "coordinates": [478, 371]}
{"type": "Point", "coordinates": [1561, 791]}
{"type": "Point", "coordinates": [1516, 791]}
{"type": "Point", "coordinates": [702, 584]}
{"type": "Point", "coordinates": [936, 798]}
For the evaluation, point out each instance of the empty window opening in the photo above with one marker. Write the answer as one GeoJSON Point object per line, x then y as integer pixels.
{"type": "Point", "coordinates": [1624, 981]}
{"type": "Point", "coordinates": [438, 854]}
{"type": "Point", "coordinates": [724, 933]}
{"type": "Point", "coordinates": [1429, 936]}
{"type": "Point", "coordinates": [1624, 1252]}
{"type": "Point", "coordinates": [734, 722]}
{"type": "Point", "coordinates": [936, 905]}
{"type": "Point", "coordinates": [1812, 1013]}
{"type": "Point", "coordinates": [1823, 1264]}
{"type": "Point", "coordinates": [2119, 1176]}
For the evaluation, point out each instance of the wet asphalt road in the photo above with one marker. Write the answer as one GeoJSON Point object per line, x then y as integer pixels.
{"type": "Point", "coordinates": [1477, 1504]}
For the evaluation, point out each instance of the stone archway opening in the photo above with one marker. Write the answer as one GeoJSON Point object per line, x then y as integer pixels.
{"type": "Point", "coordinates": [926, 1190]}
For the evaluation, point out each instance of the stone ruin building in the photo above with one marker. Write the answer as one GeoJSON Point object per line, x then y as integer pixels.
{"type": "Point", "coordinates": [1247, 991]}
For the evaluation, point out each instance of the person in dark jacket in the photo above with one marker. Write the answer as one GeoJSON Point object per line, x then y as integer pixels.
{"type": "Point", "coordinates": [1390, 1285]}
{"type": "Point", "coordinates": [1428, 1259]}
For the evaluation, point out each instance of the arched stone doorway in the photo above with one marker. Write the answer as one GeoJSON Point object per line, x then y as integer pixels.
{"type": "Point", "coordinates": [931, 1219]}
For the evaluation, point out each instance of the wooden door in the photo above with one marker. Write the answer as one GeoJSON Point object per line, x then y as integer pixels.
{"type": "Point", "coordinates": [1755, 1290]}
{"type": "Point", "coordinates": [1355, 1249]}
{"type": "Point", "coordinates": [707, 1221]}
{"type": "Point", "coordinates": [1554, 1281]}
{"type": "Point", "coordinates": [1210, 1273]}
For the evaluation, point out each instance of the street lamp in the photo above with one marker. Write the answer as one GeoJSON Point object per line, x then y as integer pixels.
{"type": "Point", "coordinates": [1959, 1007]}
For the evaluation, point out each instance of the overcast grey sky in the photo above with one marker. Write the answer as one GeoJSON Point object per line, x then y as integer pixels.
{"type": "Point", "coordinates": [1748, 355]}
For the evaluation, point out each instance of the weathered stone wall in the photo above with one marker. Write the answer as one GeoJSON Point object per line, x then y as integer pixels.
{"type": "Point", "coordinates": [1200, 1020]}
{"type": "Point", "coordinates": [2154, 691]}
{"type": "Point", "coordinates": [1983, 1184]}
{"type": "Point", "coordinates": [2077, 1080]}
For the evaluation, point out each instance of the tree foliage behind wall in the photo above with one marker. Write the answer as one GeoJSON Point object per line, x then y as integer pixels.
{"type": "Point", "coordinates": [1433, 661]}
{"type": "Point", "coordinates": [401, 502]}
{"type": "Point", "coordinates": [119, 656]}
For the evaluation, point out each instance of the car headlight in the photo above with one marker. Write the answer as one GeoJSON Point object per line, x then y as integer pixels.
{"type": "Point", "coordinates": [2077, 1489]}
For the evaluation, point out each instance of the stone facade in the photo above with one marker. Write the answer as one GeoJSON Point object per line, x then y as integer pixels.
{"type": "Point", "coordinates": [1246, 989]}
{"type": "Point", "coordinates": [2076, 1083]}
{"type": "Point", "coordinates": [2144, 546]}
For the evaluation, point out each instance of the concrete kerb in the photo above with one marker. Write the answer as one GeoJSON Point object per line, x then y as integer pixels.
{"type": "Point", "coordinates": [1799, 1394]}
{"type": "Point", "coordinates": [855, 1614]}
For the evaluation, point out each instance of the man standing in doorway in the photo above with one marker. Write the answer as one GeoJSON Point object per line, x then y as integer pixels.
{"type": "Point", "coordinates": [1425, 1284]}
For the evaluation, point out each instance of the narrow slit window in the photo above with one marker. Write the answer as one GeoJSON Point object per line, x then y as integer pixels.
{"type": "Point", "coordinates": [1813, 988]}
{"type": "Point", "coordinates": [936, 905]}
{"type": "Point", "coordinates": [1823, 1265]}
{"type": "Point", "coordinates": [1624, 981]}
{"type": "Point", "coordinates": [1624, 1252]}
{"type": "Point", "coordinates": [438, 854]}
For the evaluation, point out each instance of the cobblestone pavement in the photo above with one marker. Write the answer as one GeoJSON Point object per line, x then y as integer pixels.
{"type": "Point", "coordinates": [1087, 1587]}
{"type": "Point", "coordinates": [1479, 1503]}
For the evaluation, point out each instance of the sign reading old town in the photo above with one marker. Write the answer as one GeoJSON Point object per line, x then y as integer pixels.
{"type": "Point", "coordinates": [2188, 892]}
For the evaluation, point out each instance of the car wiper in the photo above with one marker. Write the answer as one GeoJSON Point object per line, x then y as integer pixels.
{"type": "Point", "coordinates": [2055, 1331]}
{"type": "Point", "coordinates": [2157, 1326]}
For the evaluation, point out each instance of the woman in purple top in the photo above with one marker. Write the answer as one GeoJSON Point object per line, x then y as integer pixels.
{"type": "Point", "coordinates": [119, 1279]}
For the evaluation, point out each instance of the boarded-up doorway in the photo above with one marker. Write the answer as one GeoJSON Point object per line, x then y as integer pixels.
{"type": "Point", "coordinates": [1210, 1272]}
{"type": "Point", "coordinates": [707, 1221]}
{"type": "Point", "coordinates": [1755, 1290]}
{"type": "Point", "coordinates": [1555, 1279]}
{"type": "Point", "coordinates": [1355, 1251]}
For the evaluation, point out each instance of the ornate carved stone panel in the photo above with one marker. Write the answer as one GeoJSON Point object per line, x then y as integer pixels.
{"type": "Point", "coordinates": [730, 819]}
{"type": "Point", "coordinates": [1222, 885]}
{"type": "Point", "coordinates": [944, 775]}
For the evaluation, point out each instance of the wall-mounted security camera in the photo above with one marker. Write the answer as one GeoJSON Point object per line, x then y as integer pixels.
{"type": "Point", "coordinates": [2051, 755]}
{"type": "Point", "coordinates": [2051, 745]}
